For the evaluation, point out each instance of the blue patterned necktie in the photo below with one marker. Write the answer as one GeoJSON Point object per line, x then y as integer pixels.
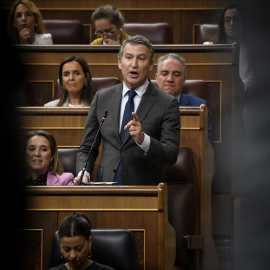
{"type": "Point", "coordinates": [127, 116]}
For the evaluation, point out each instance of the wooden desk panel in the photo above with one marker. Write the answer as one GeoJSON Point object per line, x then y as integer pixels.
{"type": "Point", "coordinates": [67, 125]}
{"type": "Point", "coordinates": [193, 134]}
{"type": "Point", "coordinates": [215, 64]}
{"type": "Point", "coordinates": [141, 209]}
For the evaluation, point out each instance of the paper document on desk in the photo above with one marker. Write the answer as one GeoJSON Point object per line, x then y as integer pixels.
{"type": "Point", "coordinates": [99, 183]}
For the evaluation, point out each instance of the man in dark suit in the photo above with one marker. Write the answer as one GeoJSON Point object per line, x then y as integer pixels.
{"type": "Point", "coordinates": [153, 133]}
{"type": "Point", "coordinates": [171, 76]}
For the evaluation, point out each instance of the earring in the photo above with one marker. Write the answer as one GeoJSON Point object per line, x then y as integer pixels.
{"type": "Point", "coordinates": [64, 87]}
{"type": "Point", "coordinates": [89, 253]}
{"type": "Point", "coordinates": [50, 165]}
{"type": "Point", "coordinates": [85, 84]}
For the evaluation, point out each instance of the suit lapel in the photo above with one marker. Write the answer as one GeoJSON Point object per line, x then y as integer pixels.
{"type": "Point", "coordinates": [115, 109]}
{"type": "Point", "coordinates": [183, 100]}
{"type": "Point", "coordinates": [52, 180]}
{"type": "Point", "coordinates": [149, 98]}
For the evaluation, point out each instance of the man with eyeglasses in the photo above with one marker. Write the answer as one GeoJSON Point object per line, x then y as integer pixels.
{"type": "Point", "coordinates": [108, 22]}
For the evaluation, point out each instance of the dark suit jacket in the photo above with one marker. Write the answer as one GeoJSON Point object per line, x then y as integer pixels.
{"type": "Point", "coordinates": [188, 100]}
{"type": "Point", "coordinates": [159, 116]}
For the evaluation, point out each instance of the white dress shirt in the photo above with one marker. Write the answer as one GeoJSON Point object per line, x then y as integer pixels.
{"type": "Point", "coordinates": [43, 39]}
{"type": "Point", "coordinates": [137, 99]}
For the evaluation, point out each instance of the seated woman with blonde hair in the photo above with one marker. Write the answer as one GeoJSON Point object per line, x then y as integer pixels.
{"type": "Point", "coordinates": [26, 26]}
{"type": "Point", "coordinates": [42, 160]}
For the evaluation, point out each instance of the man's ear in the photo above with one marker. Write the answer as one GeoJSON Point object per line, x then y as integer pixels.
{"type": "Point", "coordinates": [119, 63]}
{"type": "Point", "coordinates": [185, 77]}
{"type": "Point", "coordinates": [151, 65]}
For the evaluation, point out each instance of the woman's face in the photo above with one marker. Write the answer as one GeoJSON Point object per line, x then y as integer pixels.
{"type": "Point", "coordinates": [38, 155]}
{"type": "Point", "coordinates": [24, 18]}
{"type": "Point", "coordinates": [233, 23]}
{"type": "Point", "coordinates": [73, 77]}
{"type": "Point", "coordinates": [107, 30]}
{"type": "Point", "coordinates": [75, 250]}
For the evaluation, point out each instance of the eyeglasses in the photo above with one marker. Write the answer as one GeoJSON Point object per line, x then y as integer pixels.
{"type": "Point", "coordinates": [106, 32]}
{"type": "Point", "coordinates": [235, 20]}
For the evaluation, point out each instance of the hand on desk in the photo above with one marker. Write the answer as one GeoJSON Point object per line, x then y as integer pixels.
{"type": "Point", "coordinates": [77, 179]}
{"type": "Point", "coordinates": [110, 41]}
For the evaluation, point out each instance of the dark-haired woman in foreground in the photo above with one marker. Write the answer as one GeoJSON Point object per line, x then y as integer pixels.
{"type": "Point", "coordinates": [75, 243]}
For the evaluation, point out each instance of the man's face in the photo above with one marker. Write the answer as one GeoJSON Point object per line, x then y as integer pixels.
{"type": "Point", "coordinates": [170, 77]}
{"type": "Point", "coordinates": [135, 65]}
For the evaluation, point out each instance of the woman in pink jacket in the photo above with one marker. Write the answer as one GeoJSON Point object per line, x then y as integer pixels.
{"type": "Point", "coordinates": [42, 159]}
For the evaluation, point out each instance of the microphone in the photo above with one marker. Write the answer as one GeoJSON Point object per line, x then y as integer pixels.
{"type": "Point", "coordinates": [101, 123]}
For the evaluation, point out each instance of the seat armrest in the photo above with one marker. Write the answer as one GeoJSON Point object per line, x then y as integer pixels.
{"type": "Point", "coordinates": [194, 241]}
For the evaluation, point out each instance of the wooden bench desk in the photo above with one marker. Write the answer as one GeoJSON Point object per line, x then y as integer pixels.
{"type": "Point", "coordinates": [140, 209]}
{"type": "Point", "coordinates": [67, 125]}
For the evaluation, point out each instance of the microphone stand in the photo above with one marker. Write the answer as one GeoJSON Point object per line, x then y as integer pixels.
{"type": "Point", "coordinates": [84, 169]}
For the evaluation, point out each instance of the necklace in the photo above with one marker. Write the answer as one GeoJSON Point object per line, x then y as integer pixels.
{"type": "Point", "coordinates": [88, 264]}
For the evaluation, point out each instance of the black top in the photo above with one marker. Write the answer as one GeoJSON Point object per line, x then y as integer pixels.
{"type": "Point", "coordinates": [40, 181]}
{"type": "Point", "coordinates": [93, 266]}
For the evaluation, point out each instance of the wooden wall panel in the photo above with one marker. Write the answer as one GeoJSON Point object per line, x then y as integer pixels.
{"type": "Point", "coordinates": [216, 64]}
{"type": "Point", "coordinates": [42, 224]}
{"type": "Point", "coordinates": [114, 219]}
{"type": "Point", "coordinates": [67, 125]}
{"type": "Point", "coordinates": [141, 209]}
{"type": "Point", "coordinates": [193, 134]}
{"type": "Point", "coordinates": [123, 4]}
{"type": "Point", "coordinates": [34, 238]}
{"type": "Point", "coordinates": [181, 15]}
{"type": "Point", "coordinates": [43, 91]}
{"type": "Point", "coordinates": [215, 109]}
